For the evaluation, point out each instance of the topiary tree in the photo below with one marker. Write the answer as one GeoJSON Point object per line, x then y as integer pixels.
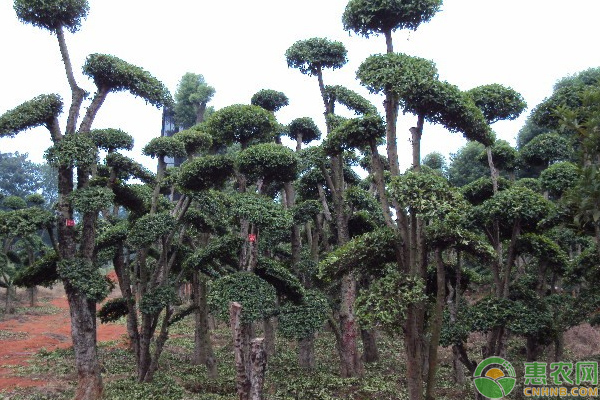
{"type": "Point", "coordinates": [559, 178]}
{"type": "Point", "coordinates": [386, 16]}
{"type": "Point", "coordinates": [311, 57]}
{"type": "Point", "coordinates": [74, 150]}
{"type": "Point", "coordinates": [191, 97]}
{"type": "Point", "coordinates": [244, 124]}
{"type": "Point", "coordinates": [270, 100]}
{"type": "Point", "coordinates": [545, 149]}
{"type": "Point", "coordinates": [436, 161]}
{"type": "Point", "coordinates": [303, 130]}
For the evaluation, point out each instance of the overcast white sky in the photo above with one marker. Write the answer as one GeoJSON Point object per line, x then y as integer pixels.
{"type": "Point", "coordinates": [239, 47]}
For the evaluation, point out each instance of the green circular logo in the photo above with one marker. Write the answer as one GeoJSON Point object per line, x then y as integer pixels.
{"type": "Point", "coordinates": [494, 378]}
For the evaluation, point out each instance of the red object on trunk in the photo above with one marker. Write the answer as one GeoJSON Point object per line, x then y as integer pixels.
{"type": "Point", "coordinates": [252, 237]}
{"type": "Point", "coordinates": [70, 222]}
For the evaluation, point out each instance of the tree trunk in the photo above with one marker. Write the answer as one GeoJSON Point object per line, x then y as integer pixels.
{"type": "Point", "coordinates": [8, 307]}
{"type": "Point", "coordinates": [380, 184]}
{"type": "Point", "coordinates": [124, 279]}
{"type": "Point", "coordinates": [306, 352]}
{"type": "Point", "coordinates": [370, 351]}
{"type": "Point", "coordinates": [32, 291]}
{"type": "Point", "coordinates": [459, 372]}
{"type": "Point", "coordinates": [532, 349]}
{"type": "Point", "coordinates": [203, 351]}
{"type": "Point", "coordinates": [436, 324]}
{"type": "Point", "coordinates": [559, 346]}
{"type": "Point", "coordinates": [413, 344]}
{"type": "Point", "coordinates": [258, 362]}
{"type": "Point", "coordinates": [416, 133]}
{"type": "Point", "coordinates": [269, 332]}
{"type": "Point", "coordinates": [83, 333]}
{"type": "Point", "coordinates": [351, 365]}
{"type": "Point", "coordinates": [241, 380]}
{"type": "Point", "coordinates": [388, 41]}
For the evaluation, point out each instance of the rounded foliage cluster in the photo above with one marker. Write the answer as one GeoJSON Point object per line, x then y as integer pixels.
{"type": "Point", "coordinates": [306, 211]}
{"type": "Point", "coordinates": [40, 110]}
{"type": "Point", "coordinates": [311, 56]}
{"type": "Point", "coordinates": [354, 133]}
{"type": "Point", "coordinates": [299, 321]}
{"type": "Point", "coordinates": [112, 139]}
{"type": "Point", "coordinates": [505, 156]}
{"type": "Point", "coordinates": [516, 204]}
{"type": "Point", "coordinates": [559, 177]}
{"type": "Point", "coordinates": [91, 199]}
{"type": "Point", "coordinates": [498, 102]}
{"type": "Point", "coordinates": [54, 14]}
{"type": "Point", "coordinates": [304, 129]}
{"type": "Point", "coordinates": [386, 301]}
{"type": "Point", "coordinates": [380, 16]}
{"type": "Point", "coordinates": [241, 123]}
{"type": "Point", "coordinates": [395, 72]}
{"type": "Point", "coordinates": [83, 275]}
{"type": "Point", "coordinates": [269, 161]}
{"type": "Point", "coordinates": [43, 272]}
{"type": "Point", "coordinates": [73, 150]}
{"type": "Point", "coordinates": [205, 172]}
{"type": "Point", "coordinates": [112, 310]}
{"type": "Point", "coordinates": [128, 167]}
{"type": "Point", "coordinates": [270, 100]}
{"type": "Point", "coordinates": [481, 189]}
{"type": "Point", "coordinates": [546, 148]}
{"type": "Point", "coordinates": [194, 140]}
{"type": "Point", "coordinates": [425, 193]}
{"type": "Point", "coordinates": [257, 297]}
{"type": "Point", "coordinates": [150, 227]}
{"type": "Point", "coordinates": [112, 73]}
{"type": "Point", "coordinates": [13, 202]}
{"type": "Point", "coordinates": [368, 253]}
{"type": "Point", "coordinates": [164, 146]}
{"type": "Point", "coordinates": [155, 301]}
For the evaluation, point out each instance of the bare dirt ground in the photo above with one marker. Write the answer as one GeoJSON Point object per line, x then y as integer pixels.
{"type": "Point", "coordinates": [26, 332]}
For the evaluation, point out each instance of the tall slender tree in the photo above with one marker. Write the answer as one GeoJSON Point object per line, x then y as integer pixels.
{"type": "Point", "coordinates": [74, 152]}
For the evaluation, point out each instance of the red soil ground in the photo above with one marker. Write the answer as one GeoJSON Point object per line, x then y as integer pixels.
{"type": "Point", "coordinates": [26, 334]}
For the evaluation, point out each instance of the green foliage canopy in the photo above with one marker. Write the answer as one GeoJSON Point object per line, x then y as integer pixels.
{"type": "Point", "coordinates": [299, 321]}
{"type": "Point", "coordinates": [559, 177]}
{"type": "Point", "coordinates": [51, 15]}
{"type": "Point", "coordinates": [191, 91]}
{"type": "Point", "coordinates": [112, 139]}
{"type": "Point", "coordinates": [380, 16]}
{"type": "Point", "coordinates": [241, 123]}
{"type": "Point", "coordinates": [311, 56]}
{"type": "Point", "coordinates": [546, 148]}
{"type": "Point", "coordinates": [206, 172]}
{"type": "Point", "coordinates": [40, 110]}
{"type": "Point", "coordinates": [498, 102]}
{"type": "Point", "coordinates": [270, 100]}
{"type": "Point", "coordinates": [269, 161]}
{"type": "Point", "coordinates": [304, 128]}
{"type": "Point", "coordinates": [257, 297]}
{"type": "Point", "coordinates": [116, 75]}
{"type": "Point", "coordinates": [73, 150]}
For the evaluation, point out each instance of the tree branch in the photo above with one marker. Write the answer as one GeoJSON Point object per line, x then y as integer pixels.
{"type": "Point", "coordinates": [93, 109]}
{"type": "Point", "coordinates": [77, 93]}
